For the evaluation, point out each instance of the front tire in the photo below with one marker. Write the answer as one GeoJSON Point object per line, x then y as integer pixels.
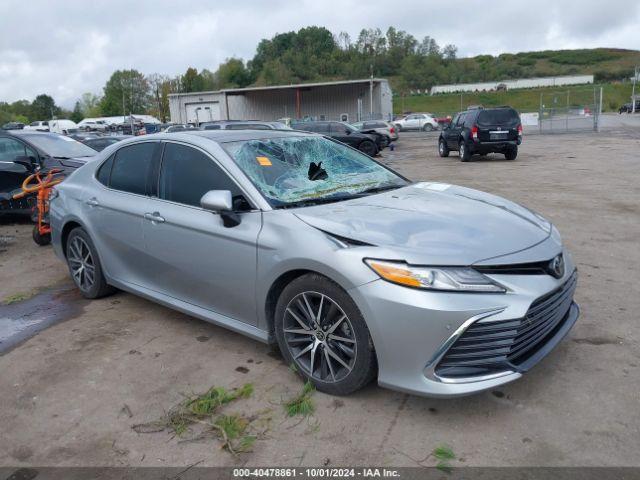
{"type": "Point", "coordinates": [443, 149]}
{"type": "Point", "coordinates": [84, 265]}
{"type": "Point", "coordinates": [321, 331]}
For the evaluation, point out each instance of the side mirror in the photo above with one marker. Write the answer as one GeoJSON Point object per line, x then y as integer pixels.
{"type": "Point", "coordinates": [221, 201]}
{"type": "Point", "coordinates": [347, 131]}
{"type": "Point", "coordinates": [29, 163]}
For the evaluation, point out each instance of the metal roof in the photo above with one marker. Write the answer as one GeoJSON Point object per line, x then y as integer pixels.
{"type": "Point", "coordinates": [283, 87]}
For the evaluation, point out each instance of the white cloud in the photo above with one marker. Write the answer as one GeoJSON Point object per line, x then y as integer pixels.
{"type": "Point", "coordinates": [65, 49]}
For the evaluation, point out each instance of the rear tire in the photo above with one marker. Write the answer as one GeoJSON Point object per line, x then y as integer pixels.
{"type": "Point", "coordinates": [443, 149]}
{"type": "Point", "coordinates": [511, 154]}
{"type": "Point", "coordinates": [368, 148]}
{"type": "Point", "coordinates": [427, 127]}
{"type": "Point", "coordinates": [464, 152]}
{"type": "Point", "coordinates": [84, 265]}
{"type": "Point", "coordinates": [335, 363]}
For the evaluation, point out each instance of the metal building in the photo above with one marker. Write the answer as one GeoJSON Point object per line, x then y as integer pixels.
{"type": "Point", "coordinates": [350, 100]}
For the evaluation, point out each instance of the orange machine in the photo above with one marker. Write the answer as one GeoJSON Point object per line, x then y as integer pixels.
{"type": "Point", "coordinates": [42, 185]}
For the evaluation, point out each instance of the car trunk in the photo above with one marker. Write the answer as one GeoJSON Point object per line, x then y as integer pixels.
{"type": "Point", "coordinates": [498, 125]}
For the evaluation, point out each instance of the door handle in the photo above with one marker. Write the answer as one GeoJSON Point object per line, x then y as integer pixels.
{"type": "Point", "coordinates": [92, 202]}
{"type": "Point", "coordinates": [154, 217]}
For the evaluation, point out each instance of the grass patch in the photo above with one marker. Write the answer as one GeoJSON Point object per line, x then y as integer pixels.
{"type": "Point", "coordinates": [215, 397]}
{"type": "Point", "coordinates": [444, 454]}
{"type": "Point", "coordinates": [302, 404]}
{"type": "Point", "coordinates": [200, 412]}
{"type": "Point", "coordinates": [18, 297]}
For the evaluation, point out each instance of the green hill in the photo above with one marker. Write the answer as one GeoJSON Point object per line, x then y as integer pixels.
{"type": "Point", "coordinates": [608, 65]}
{"type": "Point", "coordinates": [523, 100]}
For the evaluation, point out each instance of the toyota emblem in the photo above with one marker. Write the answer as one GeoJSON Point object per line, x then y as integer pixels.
{"type": "Point", "coordinates": [556, 266]}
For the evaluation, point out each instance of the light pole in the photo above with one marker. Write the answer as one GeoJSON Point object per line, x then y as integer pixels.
{"type": "Point", "coordinates": [636, 71]}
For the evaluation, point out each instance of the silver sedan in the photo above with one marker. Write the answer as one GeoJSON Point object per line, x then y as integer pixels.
{"type": "Point", "coordinates": [356, 272]}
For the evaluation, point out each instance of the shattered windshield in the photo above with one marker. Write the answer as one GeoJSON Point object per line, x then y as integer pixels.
{"type": "Point", "coordinates": [309, 169]}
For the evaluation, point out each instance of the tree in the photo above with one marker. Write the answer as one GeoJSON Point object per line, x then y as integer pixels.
{"type": "Point", "coordinates": [90, 105]}
{"type": "Point", "coordinates": [160, 88]}
{"type": "Point", "coordinates": [233, 74]}
{"type": "Point", "coordinates": [192, 81]}
{"type": "Point", "coordinates": [43, 107]}
{"type": "Point", "coordinates": [77, 114]}
{"type": "Point", "coordinates": [126, 91]}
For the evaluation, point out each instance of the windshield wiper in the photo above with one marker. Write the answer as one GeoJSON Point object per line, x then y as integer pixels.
{"type": "Point", "coordinates": [317, 201]}
{"type": "Point", "coordinates": [379, 189]}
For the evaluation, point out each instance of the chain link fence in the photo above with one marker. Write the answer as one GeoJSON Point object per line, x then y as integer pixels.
{"type": "Point", "coordinates": [570, 110]}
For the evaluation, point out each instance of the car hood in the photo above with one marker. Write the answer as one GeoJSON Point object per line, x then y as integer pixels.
{"type": "Point", "coordinates": [433, 223]}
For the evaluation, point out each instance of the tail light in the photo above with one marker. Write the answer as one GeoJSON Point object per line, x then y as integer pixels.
{"type": "Point", "coordinates": [519, 129]}
{"type": "Point", "coordinates": [392, 130]}
{"type": "Point", "coordinates": [474, 132]}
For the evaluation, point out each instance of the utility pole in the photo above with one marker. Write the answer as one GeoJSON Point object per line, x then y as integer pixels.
{"type": "Point", "coordinates": [371, 94]}
{"type": "Point", "coordinates": [636, 71]}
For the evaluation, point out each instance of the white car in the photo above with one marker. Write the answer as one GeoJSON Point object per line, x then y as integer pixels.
{"type": "Point", "coordinates": [417, 121]}
{"type": "Point", "coordinates": [41, 126]}
{"type": "Point", "coordinates": [62, 126]}
{"type": "Point", "coordinates": [94, 125]}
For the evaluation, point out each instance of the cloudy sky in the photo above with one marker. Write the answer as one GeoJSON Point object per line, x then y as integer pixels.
{"type": "Point", "coordinates": [68, 47]}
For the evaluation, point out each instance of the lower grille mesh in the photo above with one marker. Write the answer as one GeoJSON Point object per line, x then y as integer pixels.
{"type": "Point", "coordinates": [491, 346]}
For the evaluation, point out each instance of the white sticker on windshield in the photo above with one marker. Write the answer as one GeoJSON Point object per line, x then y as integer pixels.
{"type": "Point", "coordinates": [436, 187]}
{"type": "Point", "coordinates": [67, 138]}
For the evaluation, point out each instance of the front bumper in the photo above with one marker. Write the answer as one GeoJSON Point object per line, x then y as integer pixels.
{"type": "Point", "coordinates": [413, 329]}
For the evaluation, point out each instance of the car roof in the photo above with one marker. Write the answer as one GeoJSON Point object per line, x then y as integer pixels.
{"type": "Point", "coordinates": [223, 136]}
{"type": "Point", "coordinates": [28, 133]}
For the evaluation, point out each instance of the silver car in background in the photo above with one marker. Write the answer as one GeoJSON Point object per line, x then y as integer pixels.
{"type": "Point", "coordinates": [380, 126]}
{"type": "Point", "coordinates": [294, 238]}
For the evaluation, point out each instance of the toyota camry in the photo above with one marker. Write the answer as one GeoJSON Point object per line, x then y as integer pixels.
{"type": "Point", "coordinates": [294, 238]}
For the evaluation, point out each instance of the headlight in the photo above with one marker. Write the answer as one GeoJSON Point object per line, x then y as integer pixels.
{"type": "Point", "coordinates": [457, 279]}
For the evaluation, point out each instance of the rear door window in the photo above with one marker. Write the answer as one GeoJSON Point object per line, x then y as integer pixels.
{"type": "Point", "coordinates": [104, 172]}
{"type": "Point", "coordinates": [132, 168]}
{"type": "Point", "coordinates": [498, 116]}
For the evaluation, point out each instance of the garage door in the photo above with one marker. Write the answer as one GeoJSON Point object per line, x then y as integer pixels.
{"type": "Point", "coordinates": [202, 112]}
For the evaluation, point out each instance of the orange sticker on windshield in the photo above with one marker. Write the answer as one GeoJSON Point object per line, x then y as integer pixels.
{"type": "Point", "coordinates": [264, 161]}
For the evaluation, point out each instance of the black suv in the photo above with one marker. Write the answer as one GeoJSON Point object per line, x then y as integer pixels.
{"type": "Point", "coordinates": [368, 143]}
{"type": "Point", "coordinates": [628, 107]}
{"type": "Point", "coordinates": [482, 131]}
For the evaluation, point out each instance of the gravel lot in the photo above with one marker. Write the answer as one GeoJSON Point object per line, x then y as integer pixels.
{"type": "Point", "coordinates": [70, 394]}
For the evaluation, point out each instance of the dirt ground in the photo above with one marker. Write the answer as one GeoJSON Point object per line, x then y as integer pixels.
{"type": "Point", "coordinates": [70, 394]}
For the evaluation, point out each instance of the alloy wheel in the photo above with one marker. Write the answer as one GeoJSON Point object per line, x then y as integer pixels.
{"type": "Point", "coordinates": [320, 337]}
{"type": "Point", "coordinates": [81, 262]}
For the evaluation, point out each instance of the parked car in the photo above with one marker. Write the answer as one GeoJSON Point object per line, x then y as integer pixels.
{"type": "Point", "coordinates": [482, 131]}
{"type": "Point", "coordinates": [417, 121]}
{"type": "Point", "coordinates": [62, 126]}
{"type": "Point", "coordinates": [34, 150]}
{"type": "Point", "coordinates": [269, 234]}
{"type": "Point", "coordinates": [628, 107]}
{"type": "Point", "coordinates": [178, 128]}
{"type": "Point", "coordinates": [102, 142]}
{"type": "Point", "coordinates": [378, 126]}
{"type": "Point", "coordinates": [81, 136]}
{"type": "Point", "coordinates": [345, 133]}
{"type": "Point", "coordinates": [243, 125]}
{"type": "Point", "coordinates": [94, 125]}
{"type": "Point", "coordinates": [41, 126]}
{"type": "Point", "coordinates": [13, 126]}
